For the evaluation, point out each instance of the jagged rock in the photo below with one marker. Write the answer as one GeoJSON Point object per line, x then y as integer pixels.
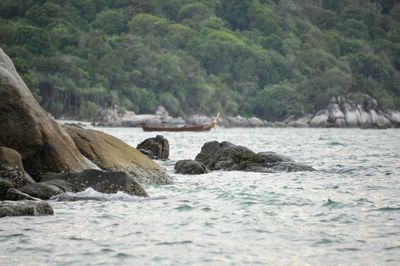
{"type": "Point", "coordinates": [5, 185]}
{"type": "Point", "coordinates": [336, 116]}
{"type": "Point", "coordinates": [15, 194]}
{"type": "Point", "coordinates": [25, 208]}
{"type": "Point", "coordinates": [102, 181]}
{"type": "Point", "coordinates": [110, 153]}
{"type": "Point", "coordinates": [227, 156]}
{"type": "Point", "coordinates": [40, 190]}
{"type": "Point", "coordinates": [157, 148]}
{"type": "Point", "coordinates": [12, 169]}
{"type": "Point", "coordinates": [393, 116]}
{"type": "Point", "coordinates": [28, 129]}
{"type": "Point", "coordinates": [190, 167]}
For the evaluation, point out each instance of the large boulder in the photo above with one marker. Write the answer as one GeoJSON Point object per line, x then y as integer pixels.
{"type": "Point", "coordinates": [25, 208]}
{"type": "Point", "coordinates": [190, 167]}
{"type": "Point", "coordinates": [12, 169]}
{"type": "Point", "coordinates": [110, 153]}
{"type": "Point", "coordinates": [155, 148]}
{"type": "Point", "coordinates": [102, 181]}
{"type": "Point", "coordinates": [227, 156]}
{"type": "Point", "coordinates": [28, 129]}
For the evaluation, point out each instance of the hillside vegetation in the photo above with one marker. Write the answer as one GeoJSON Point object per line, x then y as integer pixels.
{"type": "Point", "coordinates": [269, 58]}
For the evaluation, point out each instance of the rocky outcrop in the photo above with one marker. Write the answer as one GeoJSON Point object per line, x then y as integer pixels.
{"type": "Point", "coordinates": [155, 148]}
{"type": "Point", "coordinates": [110, 153]}
{"type": "Point", "coordinates": [25, 208]}
{"type": "Point", "coordinates": [28, 129]}
{"type": "Point", "coordinates": [102, 181]}
{"type": "Point", "coordinates": [190, 167]}
{"type": "Point", "coordinates": [356, 111]}
{"type": "Point", "coordinates": [227, 156]}
{"type": "Point", "coordinates": [12, 169]}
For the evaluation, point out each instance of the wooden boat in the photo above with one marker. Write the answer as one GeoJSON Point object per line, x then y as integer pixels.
{"type": "Point", "coordinates": [174, 128]}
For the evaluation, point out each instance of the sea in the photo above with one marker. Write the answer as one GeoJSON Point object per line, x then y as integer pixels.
{"type": "Point", "coordinates": [345, 213]}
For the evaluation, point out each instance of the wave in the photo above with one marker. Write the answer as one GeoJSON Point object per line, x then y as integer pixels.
{"type": "Point", "coordinates": [91, 194]}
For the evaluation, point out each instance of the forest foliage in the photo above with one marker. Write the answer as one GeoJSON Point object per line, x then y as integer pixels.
{"type": "Point", "coordinates": [269, 58]}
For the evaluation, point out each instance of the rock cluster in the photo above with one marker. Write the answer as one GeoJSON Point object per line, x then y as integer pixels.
{"type": "Point", "coordinates": [40, 159]}
{"type": "Point", "coordinates": [227, 156]}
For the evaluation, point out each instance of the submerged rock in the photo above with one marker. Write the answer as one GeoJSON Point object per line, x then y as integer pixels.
{"type": "Point", "coordinates": [190, 167]}
{"type": "Point", "coordinates": [102, 181]}
{"type": "Point", "coordinates": [15, 194]}
{"type": "Point", "coordinates": [5, 185]}
{"type": "Point", "coordinates": [25, 208]}
{"type": "Point", "coordinates": [28, 129]}
{"type": "Point", "coordinates": [227, 156]}
{"type": "Point", "coordinates": [155, 148]}
{"type": "Point", "coordinates": [40, 190]}
{"type": "Point", "coordinates": [12, 169]}
{"type": "Point", "coordinates": [110, 153]}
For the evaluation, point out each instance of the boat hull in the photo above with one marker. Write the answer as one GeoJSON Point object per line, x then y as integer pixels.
{"type": "Point", "coordinates": [176, 129]}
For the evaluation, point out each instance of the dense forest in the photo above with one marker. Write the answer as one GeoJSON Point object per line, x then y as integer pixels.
{"type": "Point", "coordinates": [269, 58]}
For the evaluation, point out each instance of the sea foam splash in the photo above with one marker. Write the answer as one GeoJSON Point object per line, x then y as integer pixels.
{"type": "Point", "coordinates": [91, 194]}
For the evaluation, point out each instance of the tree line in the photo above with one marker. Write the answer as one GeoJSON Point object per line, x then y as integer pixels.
{"type": "Point", "coordinates": [269, 58]}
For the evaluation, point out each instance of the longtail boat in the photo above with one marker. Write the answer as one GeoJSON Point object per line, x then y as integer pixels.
{"type": "Point", "coordinates": [174, 128]}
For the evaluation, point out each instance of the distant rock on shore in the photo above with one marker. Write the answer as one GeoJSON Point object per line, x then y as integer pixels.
{"type": "Point", "coordinates": [360, 111]}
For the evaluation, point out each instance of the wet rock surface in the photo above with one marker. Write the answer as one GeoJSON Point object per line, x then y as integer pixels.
{"type": "Point", "coordinates": [190, 167]}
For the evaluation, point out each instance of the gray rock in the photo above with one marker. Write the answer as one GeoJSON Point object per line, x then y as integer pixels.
{"type": "Point", "coordinates": [12, 169]}
{"type": "Point", "coordinates": [190, 167]}
{"type": "Point", "coordinates": [336, 116]}
{"type": "Point", "coordinates": [5, 185]}
{"type": "Point", "coordinates": [25, 208]}
{"type": "Point", "coordinates": [40, 190]}
{"type": "Point", "coordinates": [102, 181]}
{"type": "Point", "coordinates": [227, 156]}
{"type": "Point", "coordinates": [15, 194]}
{"type": "Point", "coordinates": [320, 119]}
{"type": "Point", "coordinates": [158, 147]}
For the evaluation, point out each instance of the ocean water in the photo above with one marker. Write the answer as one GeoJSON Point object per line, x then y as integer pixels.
{"type": "Point", "coordinates": [347, 212]}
